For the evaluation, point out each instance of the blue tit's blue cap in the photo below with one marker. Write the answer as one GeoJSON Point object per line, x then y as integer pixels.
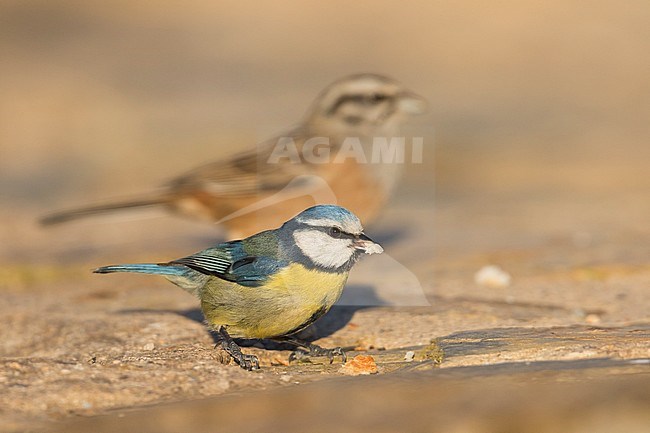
{"type": "Point", "coordinates": [330, 215]}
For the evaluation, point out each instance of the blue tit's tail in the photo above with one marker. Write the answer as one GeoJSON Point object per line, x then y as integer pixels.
{"type": "Point", "coordinates": [187, 279]}
{"type": "Point", "coordinates": [144, 268]}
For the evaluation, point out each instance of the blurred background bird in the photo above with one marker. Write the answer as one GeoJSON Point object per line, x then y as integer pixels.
{"type": "Point", "coordinates": [274, 283]}
{"type": "Point", "coordinates": [267, 184]}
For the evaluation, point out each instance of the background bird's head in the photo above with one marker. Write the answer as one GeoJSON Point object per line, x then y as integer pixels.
{"type": "Point", "coordinates": [327, 237]}
{"type": "Point", "coordinates": [363, 104]}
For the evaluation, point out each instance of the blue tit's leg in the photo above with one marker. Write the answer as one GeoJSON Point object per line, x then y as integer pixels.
{"type": "Point", "coordinates": [312, 350]}
{"type": "Point", "coordinates": [247, 362]}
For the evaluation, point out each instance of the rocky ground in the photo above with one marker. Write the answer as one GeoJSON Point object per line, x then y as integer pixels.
{"type": "Point", "coordinates": [572, 321]}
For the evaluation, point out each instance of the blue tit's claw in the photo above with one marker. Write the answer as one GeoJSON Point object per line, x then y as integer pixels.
{"type": "Point", "coordinates": [337, 351]}
{"type": "Point", "coordinates": [331, 353]}
{"type": "Point", "coordinates": [249, 362]}
{"type": "Point", "coordinates": [245, 361]}
{"type": "Point", "coordinates": [299, 356]}
{"type": "Point", "coordinates": [315, 350]}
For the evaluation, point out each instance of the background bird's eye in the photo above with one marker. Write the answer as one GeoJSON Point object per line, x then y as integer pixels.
{"type": "Point", "coordinates": [353, 120]}
{"type": "Point", "coordinates": [378, 97]}
{"type": "Point", "coordinates": [335, 232]}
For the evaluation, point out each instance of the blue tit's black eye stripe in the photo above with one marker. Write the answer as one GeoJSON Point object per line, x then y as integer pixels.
{"type": "Point", "coordinates": [335, 232]}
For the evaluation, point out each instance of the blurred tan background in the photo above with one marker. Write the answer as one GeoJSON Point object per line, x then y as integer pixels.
{"type": "Point", "coordinates": [103, 99]}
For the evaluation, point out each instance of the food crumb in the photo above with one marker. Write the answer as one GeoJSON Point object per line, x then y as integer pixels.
{"type": "Point", "coordinates": [360, 364]}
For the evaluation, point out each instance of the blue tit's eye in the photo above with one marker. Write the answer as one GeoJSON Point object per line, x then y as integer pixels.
{"type": "Point", "coordinates": [335, 232]}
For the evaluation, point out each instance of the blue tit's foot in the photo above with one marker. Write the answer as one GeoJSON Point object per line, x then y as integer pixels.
{"type": "Point", "coordinates": [315, 350]}
{"type": "Point", "coordinates": [245, 361]}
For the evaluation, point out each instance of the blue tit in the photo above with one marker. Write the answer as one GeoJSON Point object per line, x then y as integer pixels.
{"type": "Point", "coordinates": [272, 284]}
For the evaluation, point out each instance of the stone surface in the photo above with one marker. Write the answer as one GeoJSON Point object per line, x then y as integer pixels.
{"type": "Point", "coordinates": [576, 396]}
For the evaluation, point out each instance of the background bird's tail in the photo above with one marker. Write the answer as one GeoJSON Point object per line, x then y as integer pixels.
{"type": "Point", "coordinates": [143, 268]}
{"type": "Point", "coordinates": [73, 214]}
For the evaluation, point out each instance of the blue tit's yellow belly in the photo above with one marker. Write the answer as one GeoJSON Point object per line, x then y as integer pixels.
{"type": "Point", "coordinates": [289, 301]}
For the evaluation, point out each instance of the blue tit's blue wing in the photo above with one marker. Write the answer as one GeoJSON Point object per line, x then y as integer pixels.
{"type": "Point", "coordinates": [229, 261]}
{"type": "Point", "coordinates": [212, 261]}
{"type": "Point", "coordinates": [254, 271]}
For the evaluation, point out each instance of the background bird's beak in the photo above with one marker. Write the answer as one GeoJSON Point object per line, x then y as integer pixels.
{"type": "Point", "coordinates": [412, 103]}
{"type": "Point", "coordinates": [367, 245]}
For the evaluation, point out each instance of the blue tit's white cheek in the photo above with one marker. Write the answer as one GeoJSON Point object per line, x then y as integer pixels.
{"type": "Point", "coordinates": [322, 249]}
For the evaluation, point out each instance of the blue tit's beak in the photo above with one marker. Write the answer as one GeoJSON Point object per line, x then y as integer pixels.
{"type": "Point", "coordinates": [367, 245]}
